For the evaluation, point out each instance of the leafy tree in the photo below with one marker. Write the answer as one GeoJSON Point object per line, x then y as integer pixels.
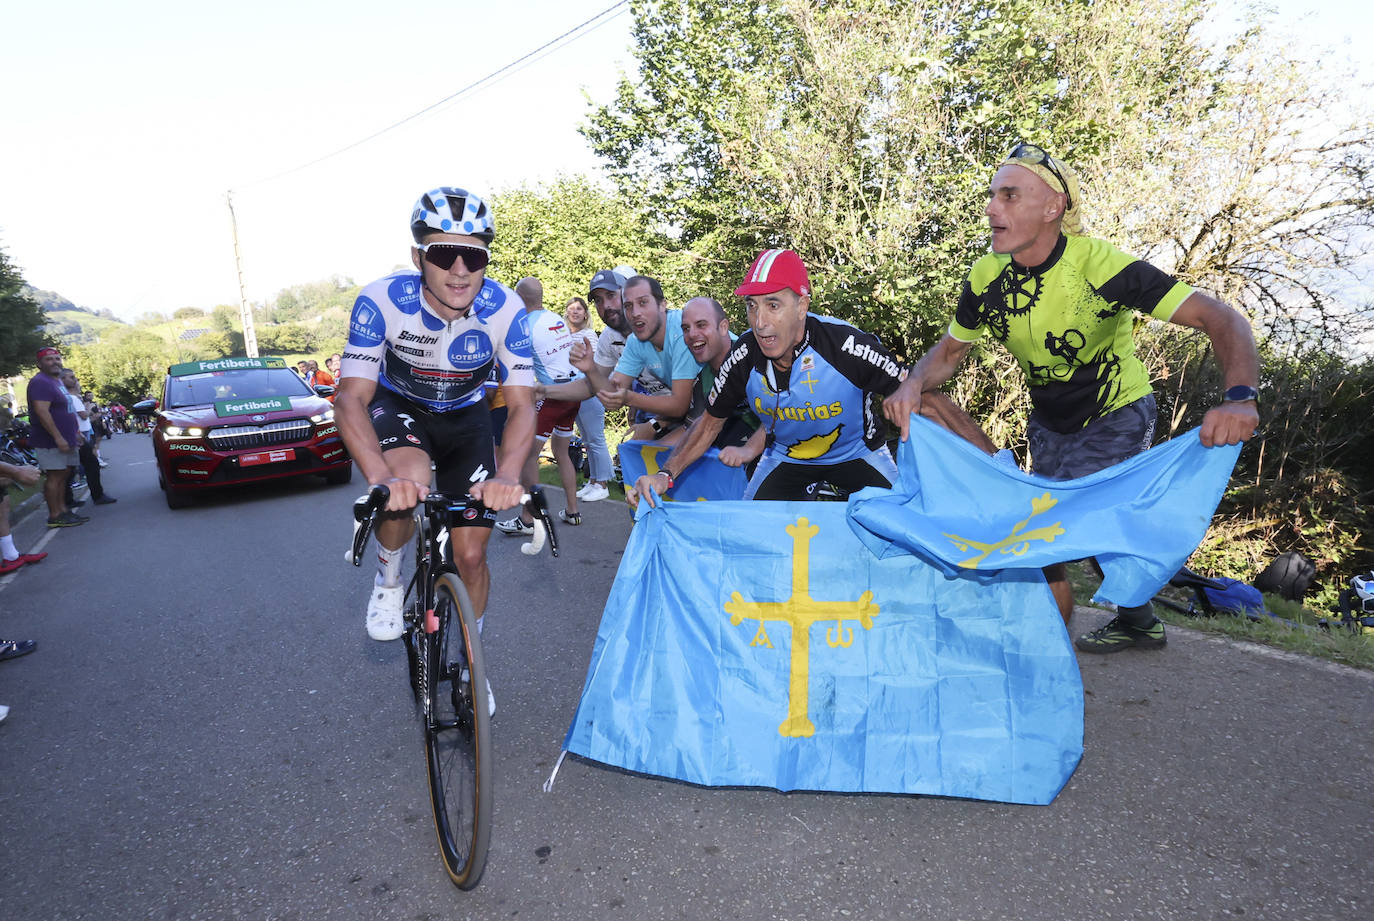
{"type": "Point", "coordinates": [224, 318]}
{"type": "Point", "coordinates": [862, 133]}
{"type": "Point", "coordinates": [125, 366]}
{"type": "Point", "coordinates": [187, 313]}
{"type": "Point", "coordinates": [22, 322]}
{"type": "Point", "coordinates": [565, 231]}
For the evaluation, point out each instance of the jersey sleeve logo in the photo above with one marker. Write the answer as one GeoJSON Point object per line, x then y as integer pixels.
{"type": "Point", "coordinates": [518, 337]}
{"type": "Point", "coordinates": [404, 292]}
{"type": "Point", "coordinates": [489, 298]}
{"type": "Point", "coordinates": [366, 327]}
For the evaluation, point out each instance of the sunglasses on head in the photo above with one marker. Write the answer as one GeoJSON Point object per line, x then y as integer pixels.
{"type": "Point", "coordinates": [1032, 154]}
{"type": "Point", "coordinates": [443, 255]}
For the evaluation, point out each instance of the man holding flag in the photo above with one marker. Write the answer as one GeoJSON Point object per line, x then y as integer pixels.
{"type": "Point", "coordinates": [1064, 305]}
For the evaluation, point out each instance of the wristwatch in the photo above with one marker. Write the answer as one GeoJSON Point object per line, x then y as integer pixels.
{"type": "Point", "coordinates": [1241, 393]}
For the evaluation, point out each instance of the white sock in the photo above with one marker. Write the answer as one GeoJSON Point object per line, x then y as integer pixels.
{"type": "Point", "coordinates": [389, 573]}
{"type": "Point", "coordinates": [7, 547]}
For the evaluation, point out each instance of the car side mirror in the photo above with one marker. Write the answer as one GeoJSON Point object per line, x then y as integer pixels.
{"type": "Point", "coordinates": [144, 408]}
{"type": "Point", "coordinates": [324, 390]}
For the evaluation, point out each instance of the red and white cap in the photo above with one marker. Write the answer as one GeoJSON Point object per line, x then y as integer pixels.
{"type": "Point", "coordinates": [774, 270]}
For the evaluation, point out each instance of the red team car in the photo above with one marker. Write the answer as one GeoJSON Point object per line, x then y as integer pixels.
{"type": "Point", "coordinates": [241, 420]}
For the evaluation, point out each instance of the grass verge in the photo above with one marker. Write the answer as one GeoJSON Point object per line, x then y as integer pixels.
{"type": "Point", "coordinates": [1336, 644]}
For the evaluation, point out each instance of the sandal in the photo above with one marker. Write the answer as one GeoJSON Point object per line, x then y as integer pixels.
{"type": "Point", "coordinates": [574, 519]}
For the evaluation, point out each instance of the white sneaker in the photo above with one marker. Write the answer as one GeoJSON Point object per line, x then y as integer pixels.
{"type": "Point", "coordinates": [514, 526]}
{"type": "Point", "coordinates": [594, 492]}
{"type": "Point", "coordinates": [384, 613]}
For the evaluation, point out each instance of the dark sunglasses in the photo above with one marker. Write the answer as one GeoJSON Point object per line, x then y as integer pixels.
{"type": "Point", "coordinates": [443, 255]}
{"type": "Point", "coordinates": [1032, 154]}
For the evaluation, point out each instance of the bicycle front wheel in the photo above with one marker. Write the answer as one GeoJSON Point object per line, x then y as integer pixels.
{"type": "Point", "coordinates": [458, 736]}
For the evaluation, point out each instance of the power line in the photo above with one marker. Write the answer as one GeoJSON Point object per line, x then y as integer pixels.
{"type": "Point", "coordinates": [547, 46]}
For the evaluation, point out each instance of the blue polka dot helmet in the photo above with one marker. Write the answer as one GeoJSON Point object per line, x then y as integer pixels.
{"type": "Point", "coordinates": [451, 210]}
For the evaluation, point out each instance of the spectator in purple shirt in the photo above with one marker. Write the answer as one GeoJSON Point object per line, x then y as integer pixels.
{"type": "Point", "coordinates": [54, 437]}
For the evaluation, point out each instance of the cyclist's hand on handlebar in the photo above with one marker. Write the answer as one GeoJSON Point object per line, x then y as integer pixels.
{"type": "Point", "coordinates": [405, 494]}
{"type": "Point", "coordinates": [649, 488]}
{"type": "Point", "coordinates": [904, 401]}
{"type": "Point", "coordinates": [498, 493]}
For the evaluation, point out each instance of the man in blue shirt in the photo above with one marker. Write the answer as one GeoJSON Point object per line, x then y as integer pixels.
{"type": "Point", "coordinates": [656, 347]}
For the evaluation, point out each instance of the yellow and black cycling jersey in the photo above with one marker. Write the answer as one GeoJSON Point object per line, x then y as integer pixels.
{"type": "Point", "coordinates": [1069, 323]}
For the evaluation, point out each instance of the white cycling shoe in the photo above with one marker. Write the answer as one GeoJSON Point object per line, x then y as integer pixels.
{"type": "Point", "coordinates": [384, 621]}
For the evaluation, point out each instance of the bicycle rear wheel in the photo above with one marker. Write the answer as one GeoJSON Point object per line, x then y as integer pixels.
{"type": "Point", "coordinates": [457, 736]}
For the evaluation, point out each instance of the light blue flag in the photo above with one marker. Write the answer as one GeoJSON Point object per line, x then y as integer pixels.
{"type": "Point", "coordinates": [759, 644]}
{"type": "Point", "coordinates": [705, 478]}
{"type": "Point", "coordinates": [962, 511]}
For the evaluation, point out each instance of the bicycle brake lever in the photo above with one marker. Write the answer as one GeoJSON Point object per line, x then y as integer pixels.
{"type": "Point", "coordinates": [539, 508]}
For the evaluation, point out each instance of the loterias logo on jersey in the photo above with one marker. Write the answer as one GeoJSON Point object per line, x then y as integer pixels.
{"type": "Point", "coordinates": [470, 351]}
{"type": "Point", "coordinates": [404, 292]}
{"type": "Point", "coordinates": [366, 328]}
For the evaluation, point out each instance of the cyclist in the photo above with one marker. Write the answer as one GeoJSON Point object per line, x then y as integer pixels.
{"type": "Point", "coordinates": [811, 380]}
{"type": "Point", "coordinates": [421, 346]}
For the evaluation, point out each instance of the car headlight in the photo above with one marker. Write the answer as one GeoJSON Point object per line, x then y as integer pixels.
{"type": "Point", "coordinates": [176, 431]}
{"type": "Point", "coordinates": [326, 416]}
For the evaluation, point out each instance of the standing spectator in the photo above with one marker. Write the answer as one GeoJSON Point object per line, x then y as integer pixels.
{"type": "Point", "coordinates": [54, 437]}
{"type": "Point", "coordinates": [332, 363]}
{"type": "Point", "coordinates": [99, 426]}
{"type": "Point", "coordinates": [1066, 306]}
{"type": "Point", "coordinates": [550, 341]}
{"type": "Point", "coordinates": [85, 442]}
{"type": "Point", "coordinates": [303, 369]}
{"type": "Point", "coordinates": [591, 418]}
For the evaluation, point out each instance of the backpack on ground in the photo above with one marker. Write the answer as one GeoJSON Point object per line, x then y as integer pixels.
{"type": "Point", "coordinates": [1289, 576]}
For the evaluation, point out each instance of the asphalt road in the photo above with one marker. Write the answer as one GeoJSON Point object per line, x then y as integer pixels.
{"type": "Point", "coordinates": [206, 732]}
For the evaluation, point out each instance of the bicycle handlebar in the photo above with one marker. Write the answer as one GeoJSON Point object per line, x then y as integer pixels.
{"type": "Point", "coordinates": [365, 507]}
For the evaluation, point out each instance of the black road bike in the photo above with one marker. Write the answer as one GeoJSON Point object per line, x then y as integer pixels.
{"type": "Point", "coordinates": [447, 671]}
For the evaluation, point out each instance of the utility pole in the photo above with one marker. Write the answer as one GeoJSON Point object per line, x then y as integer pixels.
{"type": "Point", "coordinates": [250, 336]}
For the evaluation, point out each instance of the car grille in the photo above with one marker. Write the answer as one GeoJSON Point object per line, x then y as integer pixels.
{"type": "Point", "coordinates": [239, 437]}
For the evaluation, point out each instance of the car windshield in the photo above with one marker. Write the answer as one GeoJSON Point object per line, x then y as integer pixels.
{"type": "Point", "coordinates": [249, 384]}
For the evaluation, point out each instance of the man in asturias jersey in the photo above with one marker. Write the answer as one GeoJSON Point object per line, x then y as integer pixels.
{"type": "Point", "coordinates": [420, 347]}
{"type": "Point", "coordinates": [811, 380]}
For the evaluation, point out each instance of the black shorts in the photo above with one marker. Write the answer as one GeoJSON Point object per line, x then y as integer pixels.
{"type": "Point", "coordinates": [800, 481]}
{"type": "Point", "coordinates": [458, 442]}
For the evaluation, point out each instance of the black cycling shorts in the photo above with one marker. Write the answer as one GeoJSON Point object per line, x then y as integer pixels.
{"type": "Point", "coordinates": [798, 481]}
{"type": "Point", "coordinates": [459, 442]}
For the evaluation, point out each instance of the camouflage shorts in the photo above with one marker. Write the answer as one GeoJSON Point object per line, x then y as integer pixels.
{"type": "Point", "coordinates": [1099, 444]}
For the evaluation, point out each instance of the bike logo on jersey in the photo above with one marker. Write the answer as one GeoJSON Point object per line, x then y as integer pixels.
{"type": "Point", "coordinates": [470, 351]}
{"type": "Point", "coordinates": [366, 328]}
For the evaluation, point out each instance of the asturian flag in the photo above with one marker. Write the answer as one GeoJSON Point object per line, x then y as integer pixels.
{"type": "Point", "coordinates": [760, 644]}
{"type": "Point", "coordinates": [964, 512]}
{"type": "Point", "coordinates": [704, 478]}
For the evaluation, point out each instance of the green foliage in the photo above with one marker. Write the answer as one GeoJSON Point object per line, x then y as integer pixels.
{"type": "Point", "coordinates": [564, 231]}
{"type": "Point", "coordinates": [126, 366]}
{"type": "Point", "coordinates": [187, 313]}
{"type": "Point", "coordinates": [303, 303]}
{"type": "Point", "coordinates": [225, 317]}
{"type": "Point", "coordinates": [22, 321]}
{"type": "Point", "coordinates": [287, 338]}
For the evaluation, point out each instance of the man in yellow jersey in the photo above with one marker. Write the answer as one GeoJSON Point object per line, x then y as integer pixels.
{"type": "Point", "coordinates": [1064, 305]}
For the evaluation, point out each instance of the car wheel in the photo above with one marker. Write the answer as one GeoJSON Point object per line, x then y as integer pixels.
{"type": "Point", "coordinates": [340, 476]}
{"type": "Point", "coordinates": [177, 498]}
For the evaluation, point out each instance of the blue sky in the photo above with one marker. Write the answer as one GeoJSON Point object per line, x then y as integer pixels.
{"type": "Point", "coordinates": [127, 123]}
